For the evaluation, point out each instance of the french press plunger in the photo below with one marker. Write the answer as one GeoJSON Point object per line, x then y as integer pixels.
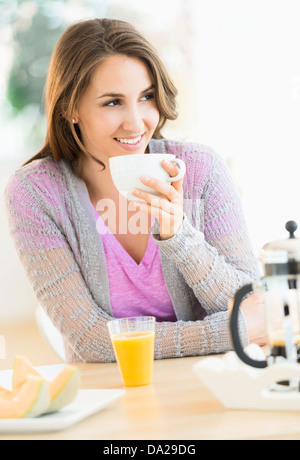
{"type": "Point", "coordinates": [281, 294]}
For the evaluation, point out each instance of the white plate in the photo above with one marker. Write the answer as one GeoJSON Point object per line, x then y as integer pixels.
{"type": "Point", "coordinates": [86, 403]}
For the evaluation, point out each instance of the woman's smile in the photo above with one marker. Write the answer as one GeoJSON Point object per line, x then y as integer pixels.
{"type": "Point", "coordinates": [130, 143]}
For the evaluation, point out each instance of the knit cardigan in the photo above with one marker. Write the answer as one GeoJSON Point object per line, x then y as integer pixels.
{"type": "Point", "coordinates": [53, 226]}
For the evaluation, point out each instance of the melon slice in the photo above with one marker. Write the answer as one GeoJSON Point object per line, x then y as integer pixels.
{"type": "Point", "coordinates": [62, 389]}
{"type": "Point", "coordinates": [28, 399]}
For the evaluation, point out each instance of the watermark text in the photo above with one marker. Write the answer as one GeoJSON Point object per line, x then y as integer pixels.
{"type": "Point", "coordinates": [128, 218]}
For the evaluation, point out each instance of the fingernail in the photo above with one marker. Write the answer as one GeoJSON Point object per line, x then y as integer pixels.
{"type": "Point", "coordinates": [145, 178]}
{"type": "Point", "coordinates": [135, 191]}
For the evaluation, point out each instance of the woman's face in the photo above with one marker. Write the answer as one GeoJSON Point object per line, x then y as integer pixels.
{"type": "Point", "coordinates": [117, 114]}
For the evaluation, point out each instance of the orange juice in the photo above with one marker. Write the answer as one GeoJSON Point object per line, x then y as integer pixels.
{"type": "Point", "coordinates": [135, 353]}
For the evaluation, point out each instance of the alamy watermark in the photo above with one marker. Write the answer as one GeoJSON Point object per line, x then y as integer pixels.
{"type": "Point", "coordinates": [119, 221]}
{"type": "Point", "coordinates": [132, 220]}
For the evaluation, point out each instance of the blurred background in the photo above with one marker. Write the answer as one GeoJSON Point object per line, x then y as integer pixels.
{"type": "Point", "coordinates": [237, 68]}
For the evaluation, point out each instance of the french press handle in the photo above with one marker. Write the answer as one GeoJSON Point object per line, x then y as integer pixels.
{"type": "Point", "coordinates": [239, 296]}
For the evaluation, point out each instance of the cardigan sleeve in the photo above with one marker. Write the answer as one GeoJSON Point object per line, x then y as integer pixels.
{"type": "Point", "coordinates": [55, 275]}
{"type": "Point", "coordinates": [216, 257]}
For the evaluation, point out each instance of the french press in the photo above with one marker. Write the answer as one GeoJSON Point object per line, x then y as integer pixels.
{"type": "Point", "coordinates": [280, 287]}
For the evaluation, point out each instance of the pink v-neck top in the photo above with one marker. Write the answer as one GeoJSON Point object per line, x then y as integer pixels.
{"type": "Point", "coordinates": [131, 285]}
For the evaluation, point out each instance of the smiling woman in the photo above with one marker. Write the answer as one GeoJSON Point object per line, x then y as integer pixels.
{"type": "Point", "coordinates": [98, 40]}
{"type": "Point", "coordinates": [116, 123]}
{"type": "Point", "coordinates": [108, 94]}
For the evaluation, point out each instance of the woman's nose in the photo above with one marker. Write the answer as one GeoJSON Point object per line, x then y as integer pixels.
{"type": "Point", "coordinates": [133, 120]}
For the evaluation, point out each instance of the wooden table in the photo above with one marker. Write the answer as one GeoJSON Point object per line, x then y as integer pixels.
{"type": "Point", "coordinates": [176, 406]}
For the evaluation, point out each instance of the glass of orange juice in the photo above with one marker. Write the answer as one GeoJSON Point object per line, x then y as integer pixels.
{"type": "Point", "coordinates": [133, 343]}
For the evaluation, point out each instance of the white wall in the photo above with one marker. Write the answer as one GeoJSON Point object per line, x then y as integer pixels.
{"type": "Point", "coordinates": [248, 97]}
{"type": "Point", "coordinates": [239, 93]}
{"type": "Point", "coordinates": [17, 301]}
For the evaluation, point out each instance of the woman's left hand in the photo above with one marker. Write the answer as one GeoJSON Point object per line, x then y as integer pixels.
{"type": "Point", "coordinates": [254, 312]}
{"type": "Point", "coordinates": [168, 207]}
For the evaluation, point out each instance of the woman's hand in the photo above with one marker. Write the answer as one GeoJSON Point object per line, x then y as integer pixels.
{"type": "Point", "coordinates": [254, 313]}
{"type": "Point", "coordinates": [168, 207]}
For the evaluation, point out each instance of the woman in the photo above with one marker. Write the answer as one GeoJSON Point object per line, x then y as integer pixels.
{"type": "Point", "coordinates": [109, 94]}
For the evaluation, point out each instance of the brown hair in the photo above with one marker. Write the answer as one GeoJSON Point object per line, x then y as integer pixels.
{"type": "Point", "coordinates": [81, 48]}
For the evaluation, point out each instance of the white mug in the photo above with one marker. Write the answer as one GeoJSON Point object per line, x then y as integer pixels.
{"type": "Point", "coordinates": [126, 171]}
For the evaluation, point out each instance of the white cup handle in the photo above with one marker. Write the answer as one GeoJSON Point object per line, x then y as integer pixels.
{"type": "Point", "coordinates": [181, 172]}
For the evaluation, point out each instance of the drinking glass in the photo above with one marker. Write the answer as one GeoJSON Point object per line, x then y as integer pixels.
{"type": "Point", "coordinates": [133, 343]}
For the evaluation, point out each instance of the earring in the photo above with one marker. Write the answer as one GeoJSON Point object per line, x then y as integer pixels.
{"type": "Point", "coordinates": [73, 121]}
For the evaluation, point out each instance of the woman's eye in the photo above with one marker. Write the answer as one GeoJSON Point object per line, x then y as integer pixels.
{"type": "Point", "coordinates": [112, 103]}
{"type": "Point", "coordinates": [115, 102]}
{"type": "Point", "coordinates": [148, 97]}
